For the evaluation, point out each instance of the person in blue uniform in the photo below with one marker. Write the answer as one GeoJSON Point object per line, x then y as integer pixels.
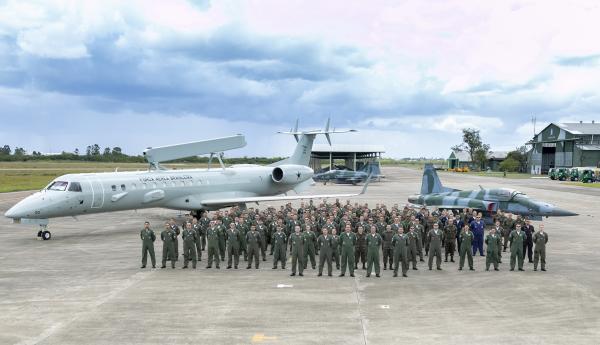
{"type": "Point", "coordinates": [477, 227]}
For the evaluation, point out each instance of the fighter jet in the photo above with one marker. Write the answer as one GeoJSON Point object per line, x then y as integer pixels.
{"type": "Point", "coordinates": [195, 190]}
{"type": "Point", "coordinates": [345, 175]}
{"type": "Point", "coordinates": [341, 175]}
{"type": "Point", "coordinates": [486, 200]}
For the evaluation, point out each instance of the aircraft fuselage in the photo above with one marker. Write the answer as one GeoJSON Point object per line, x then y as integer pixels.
{"type": "Point", "coordinates": [173, 189]}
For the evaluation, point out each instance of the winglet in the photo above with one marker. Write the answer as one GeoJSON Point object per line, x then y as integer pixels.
{"type": "Point", "coordinates": [327, 131]}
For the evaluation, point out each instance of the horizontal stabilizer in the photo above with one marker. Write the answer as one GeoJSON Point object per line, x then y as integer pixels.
{"type": "Point", "coordinates": [172, 152]}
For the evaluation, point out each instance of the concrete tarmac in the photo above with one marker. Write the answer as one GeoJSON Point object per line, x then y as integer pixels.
{"type": "Point", "coordinates": [85, 286]}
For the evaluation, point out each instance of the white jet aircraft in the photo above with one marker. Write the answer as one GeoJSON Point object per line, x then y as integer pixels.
{"type": "Point", "coordinates": [194, 190]}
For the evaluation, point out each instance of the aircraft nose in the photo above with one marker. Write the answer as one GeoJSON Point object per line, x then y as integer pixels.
{"type": "Point", "coordinates": [23, 209]}
{"type": "Point", "coordinates": [11, 213]}
{"type": "Point", "coordinates": [559, 212]}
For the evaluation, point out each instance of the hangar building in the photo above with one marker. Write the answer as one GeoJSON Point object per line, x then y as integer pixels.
{"type": "Point", "coordinates": [565, 145]}
{"type": "Point", "coordinates": [354, 156]}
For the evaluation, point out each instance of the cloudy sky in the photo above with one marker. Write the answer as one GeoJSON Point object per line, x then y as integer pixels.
{"type": "Point", "coordinates": [406, 74]}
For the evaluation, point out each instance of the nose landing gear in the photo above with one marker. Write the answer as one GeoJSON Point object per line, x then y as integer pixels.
{"type": "Point", "coordinates": [44, 233]}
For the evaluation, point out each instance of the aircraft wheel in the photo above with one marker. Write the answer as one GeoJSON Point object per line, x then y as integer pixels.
{"type": "Point", "coordinates": [39, 233]}
{"type": "Point", "coordinates": [46, 235]}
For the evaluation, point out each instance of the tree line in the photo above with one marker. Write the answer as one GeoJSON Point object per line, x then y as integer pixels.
{"type": "Point", "coordinates": [94, 153]}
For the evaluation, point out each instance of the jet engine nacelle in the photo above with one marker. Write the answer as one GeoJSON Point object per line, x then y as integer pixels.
{"type": "Point", "coordinates": [291, 174]}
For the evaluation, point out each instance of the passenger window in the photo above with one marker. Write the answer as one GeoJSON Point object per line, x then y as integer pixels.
{"type": "Point", "coordinates": [123, 187]}
{"type": "Point", "coordinates": [75, 187]}
{"type": "Point", "coordinates": [114, 188]}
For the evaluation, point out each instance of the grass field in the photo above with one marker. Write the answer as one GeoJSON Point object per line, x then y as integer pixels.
{"type": "Point", "coordinates": [419, 166]}
{"type": "Point", "coordinates": [18, 176]}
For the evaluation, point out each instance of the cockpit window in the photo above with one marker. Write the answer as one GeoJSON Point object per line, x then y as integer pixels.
{"type": "Point", "coordinates": [60, 186]}
{"type": "Point", "coordinates": [516, 192]}
{"type": "Point", "coordinates": [75, 187]}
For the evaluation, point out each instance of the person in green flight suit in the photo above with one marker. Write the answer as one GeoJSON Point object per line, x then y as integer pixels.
{"type": "Point", "coordinates": [540, 239]}
{"type": "Point", "coordinates": [360, 251]}
{"type": "Point", "coordinates": [148, 238]}
{"type": "Point", "coordinates": [466, 239]}
{"type": "Point", "coordinates": [204, 224]}
{"type": "Point", "coordinates": [400, 246]}
{"type": "Point", "coordinates": [253, 241]}
{"type": "Point", "coordinates": [347, 244]}
{"type": "Point", "coordinates": [516, 239]}
{"type": "Point", "coordinates": [279, 247]}
{"type": "Point", "coordinates": [222, 238]}
{"type": "Point", "coordinates": [233, 246]}
{"type": "Point", "coordinates": [413, 243]}
{"type": "Point", "coordinates": [177, 231]}
{"type": "Point", "coordinates": [493, 248]}
{"type": "Point", "coordinates": [212, 237]}
{"type": "Point", "coordinates": [450, 231]}
{"type": "Point", "coordinates": [297, 251]}
{"type": "Point", "coordinates": [335, 244]}
{"type": "Point", "coordinates": [198, 230]}
{"type": "Point", "coordinates": [374, 241]}
{"type": "Point", "coordinates": [310, 239]}
{"type": "Point", "coordinates": [435, 237]}
{"type": "Point", "coordinates": [388, 253]}
{"type": "Point", "coordinates": [325, 246]}
{"type": "Point", "coordinates": [189, 245]}
{"type": "Point", "coordinates": [263, 231]}
{"type": "Point", "coordinates": [168, 251]}
{"type": "Point", "coordinates": [243, 229]}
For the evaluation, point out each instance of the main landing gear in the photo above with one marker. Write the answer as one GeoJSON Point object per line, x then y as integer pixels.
{"type": "Point", "coordinates": [44, 233]}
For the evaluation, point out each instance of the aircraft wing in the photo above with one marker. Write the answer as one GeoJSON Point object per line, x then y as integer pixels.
{"type": "Point", "coordinates": [449, 202]}
{"type": "Point", "coordinates": [475, 205]}
{"type": "Point", "coordinates": [257, 199]}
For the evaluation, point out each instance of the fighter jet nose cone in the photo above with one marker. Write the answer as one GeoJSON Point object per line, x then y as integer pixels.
{"type": "Point", "coordinates": [558, 212]}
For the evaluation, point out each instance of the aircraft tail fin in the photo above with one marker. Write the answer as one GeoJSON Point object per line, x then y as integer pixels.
{"type": "Point", "coordinates": [305, 139]}
{"type": "Point", "coordinates": [431, 182]}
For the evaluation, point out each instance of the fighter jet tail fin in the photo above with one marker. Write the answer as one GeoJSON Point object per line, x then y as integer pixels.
{"type": "Point", "coordinates": [431, 182]}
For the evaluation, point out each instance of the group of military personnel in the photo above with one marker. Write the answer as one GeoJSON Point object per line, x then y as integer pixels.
{"type": "Point", "coordinates": [347, 235]}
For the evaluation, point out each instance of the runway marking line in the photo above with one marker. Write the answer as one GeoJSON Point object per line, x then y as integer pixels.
{"type": "Point", "coordinates": [260, 337]}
